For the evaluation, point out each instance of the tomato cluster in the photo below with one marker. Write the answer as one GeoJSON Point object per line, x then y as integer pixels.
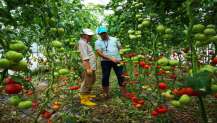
{"type": "Point", "coordinates": [162, 109]}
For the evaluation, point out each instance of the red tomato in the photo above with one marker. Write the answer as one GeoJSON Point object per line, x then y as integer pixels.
{"type": "Point", "coordinates": [175, 92]}
{"type": "Point", "coordinates": [162, 86]}
{"type": "Point", "coordinates": [162, 109]}
{"type": "Point", "coordinates": [194, 93]}
{"type": "Point", "coordinates": [214, 60]}
{"type": "Point", "coordinates": [215, 95]}
{"type": "Point", "coordinates": [154, 113]}
{"type": "Point", "coordinates": [141, 101]}
{"type": "Point", "coordinates": [146, 66]}
{"type": "Point", "coordinates": [137, 105]}
{"type": "Point", "coordinates": [130, 95]}
{"type": "Point", "coordinates": [132, 55]}
{"type": "Point", "coordinates": [161, 72]}
{"type": "Point", "coordinates": [142, 63]}
{"type": "Point", "coordinates": [134, 99]}
{"type": "Point", "coordinates": [188, 91]}
{"type": "Point", "coordinates": [9, 80]}
{"type": "Point", "coordinates": [34, 105]}
{"type": "Point", "coordinates": [74, 87]}
{"type": "Point", "coordinates": [13, 88]}
{"type": "Point", "coordinates": [173, 76]}
{"type": "Point", "coordinates": [46, 114]}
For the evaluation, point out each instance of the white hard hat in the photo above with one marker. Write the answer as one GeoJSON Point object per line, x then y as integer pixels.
{"type": "Point", "coordinates": [87, 32]}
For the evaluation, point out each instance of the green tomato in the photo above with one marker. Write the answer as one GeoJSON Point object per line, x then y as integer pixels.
{"type": "Point", "coordinates": [140, 19]}
{"type": "Point", "coordinates": [146, 23]}
{"type": "Point", "coordinates": [163, 61]}
{"type": "Point", "coordinates": [56, 44]}
{"type": "Point", "coordinates": [173, 62]}
{"type": "Point", "coordinates": [190, 72]}
{"type": "Point", "coordinates": [208, 68]}
{"type": "Point", "coordinates": [52, 21]}
{"type": "Point", "coordinates": [168, 30]}
{"type": "Point", "coordinates": [13, 56]}
{"type": "Point", "coordinates": [185, 99]}
{"type": "Point", "coordinates": [213, 38]}
{"type": "Point", "coordinates": [168, 96]}
{"type": "Point", "coordinates": [25, 105]}
{"type": "Point", "coordinates": [138, 32]}
{"type": "Point", "coordinates": [185, 32]}
{"type": "Point", "coordinates": [160, 28]}
{"type": "Point", "coordinates": [176, 103]}
{"type": "Point", "coordinates": [199, 37]}
{"type": "Point", "coordinates": [138, 36]}
{"type": "Point", "coordinates": [22, 65]}
{"type": "Point", "coordinates": [14, 100]}
{"type": "Point", "coordinates": [166, 68]}
{"type": "Point", "coordinates": [132, 36]}
{"type": "Point", "coordinates": [214, 88]}
{"type": "Point", "coordinates": [19, 46]}
{"type": "Point", "coordinates": [198, 28]}
{"type": "Point", "coordinates": [4, 63]}
{"type": "Point", "coordinates": [60, 31]}
{"type": "Point", "coordinates": [167, 36]}
{"type": "Point", "coordinates": [53, 30]}
{"type": "Point", "coordinates": [63, 71]}
{"type": "Point", "coordinates": [211, 26]}
{"type": "Point", "coordinates": [61, 49]}
{"type": "Point", "coordinates": [47, 19]}
{"type": "Point", "coordinates": [130, 31]}
{"type": "Point", "coordinates": [140, 26]}
{"type": "Point", "coordinates": [138, 15]}
{"type": "Point", "coordinates": [135, 59]}
{"type": "Point", "coordinates": [56, 74]}
{"type": "Point", "coordinates": [209, 31]}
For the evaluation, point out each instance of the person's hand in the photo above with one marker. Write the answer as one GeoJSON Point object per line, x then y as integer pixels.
{"type": "Point", "coordinates": [89, 71]}
{"type": "Point", "coordinates": [115, 60]}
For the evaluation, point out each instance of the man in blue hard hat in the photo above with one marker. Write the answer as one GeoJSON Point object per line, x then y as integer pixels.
{"type": "Point", "coordinates": [108, 49]}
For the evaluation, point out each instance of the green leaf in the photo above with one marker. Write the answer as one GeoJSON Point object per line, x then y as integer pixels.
{"type": "Point", "coordinates": [200, 81]}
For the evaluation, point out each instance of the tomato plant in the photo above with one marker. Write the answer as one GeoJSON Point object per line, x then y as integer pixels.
{"type": "Point", "coordinates": [169, 57]}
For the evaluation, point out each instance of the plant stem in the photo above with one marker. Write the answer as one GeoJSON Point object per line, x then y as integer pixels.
{"type": "Point", "coordinates": [202, 109]}
{"type": "Point", "coordinates": [189, 39]}
{"type": "Point", "coordinates": [194, 57]}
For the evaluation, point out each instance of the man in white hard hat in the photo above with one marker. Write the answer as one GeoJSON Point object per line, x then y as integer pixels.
{"type": "Point", "coordinates": [89, 64]}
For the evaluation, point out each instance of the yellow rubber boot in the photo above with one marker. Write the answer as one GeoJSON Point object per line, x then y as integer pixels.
{"type": "Point", "coordinates": [90, 96]}
{"type": "Point", "coordinates": [85, 100]}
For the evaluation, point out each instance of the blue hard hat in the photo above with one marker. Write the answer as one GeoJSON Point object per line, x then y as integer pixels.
{"type": "Point", "coordinates": [101, 29]}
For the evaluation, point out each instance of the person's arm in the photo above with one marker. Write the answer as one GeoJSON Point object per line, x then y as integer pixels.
{"type": "Point", "coordinates": [101, 54]}
{"type": "Point", "coordinates": [87, 67]}
{"type": "Point", "coordinates": [85, 58]}
{"type": "Point", "coordinates": [106, 57]}
{"type": "Point", "coordinates": [86, 64]}
{"type": "Point", "coordinates": [119, 45]}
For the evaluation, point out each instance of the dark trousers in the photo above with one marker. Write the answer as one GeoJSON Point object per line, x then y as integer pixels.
{"type": "Point", "coordinates": [106, 70]}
